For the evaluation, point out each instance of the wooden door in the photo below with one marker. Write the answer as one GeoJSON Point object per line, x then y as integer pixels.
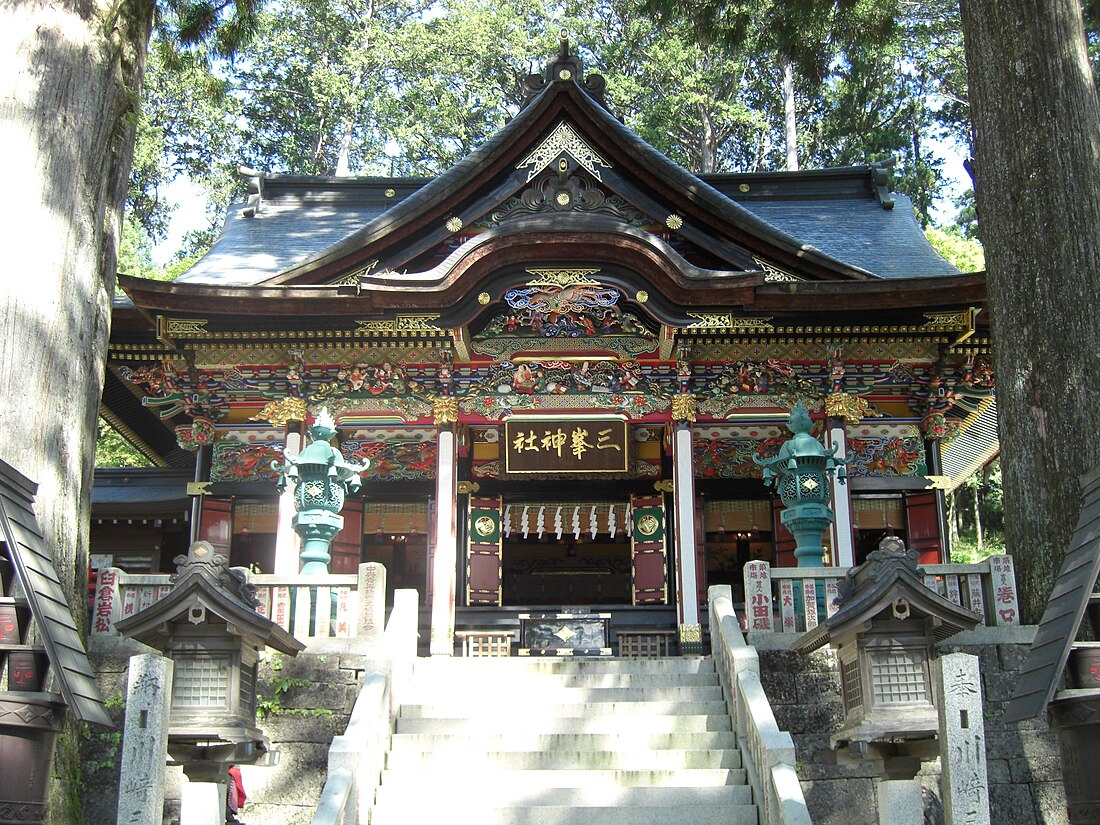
{"type": "Point", "coordinates": [347, 544]}
{"type": "Point", "coordinates": [782, 539]}
{"type": "Point", "coordinates": [215, 523]}
{"type": "Point", "coordinates": [922, 527]}
{"type": "Point", "coordinates": [483, 552]}
{"type": "Point", "coordinates": [648, 560]}
{"type": "Point", "coordinates": [700, 552]}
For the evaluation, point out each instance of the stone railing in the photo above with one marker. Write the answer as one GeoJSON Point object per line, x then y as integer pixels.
{"type": "Point", "coordinates": [296, 604]}
{"type": "Point", "coordinates": [356, 757]}
{"type": "Point", "coordinates": [792, 599]}
{"type": "Point", "coordinates": [766, 752]}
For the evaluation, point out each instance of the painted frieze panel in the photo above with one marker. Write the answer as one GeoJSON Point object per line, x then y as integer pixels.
{"type": "Point", "coordinates": [886, 450]}
{"type": "Point", "coordinates": [234, 461]}
{"type": "Point", "coordinates": [564, 305]}
{"type": "Point", "coordinates": [563, 385]}
{"type": "Point", "coordinates": [215, 355]}
{"type": "Point", "coordinates": [811, 349]}
{"type": "Point", "coordinates": [394, 460]}
{"type": "Point", "coordinates": [727, 452]}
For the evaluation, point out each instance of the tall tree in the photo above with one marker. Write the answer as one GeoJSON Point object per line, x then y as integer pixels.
{"type": "Point", "coordinates": [72, 74]}
{"type": "Point", "coordinates": [1036, 137]}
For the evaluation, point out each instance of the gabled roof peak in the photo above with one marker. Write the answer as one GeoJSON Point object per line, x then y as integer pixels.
{"type": "Point", "coordinates": [564, 68]}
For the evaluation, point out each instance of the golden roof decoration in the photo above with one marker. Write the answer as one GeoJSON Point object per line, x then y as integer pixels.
{"type": "Point", "coordinates": [563, 139]}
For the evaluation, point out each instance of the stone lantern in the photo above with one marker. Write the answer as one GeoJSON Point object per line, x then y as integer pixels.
{"type": "Point", "coordinates": [884, 630]}
{"type": "Point", "coordinates": [322, 479]}
{"type": "Point", "coordinates": [208, 626]}
{"type": "Point", "coordinates": [800, 474]}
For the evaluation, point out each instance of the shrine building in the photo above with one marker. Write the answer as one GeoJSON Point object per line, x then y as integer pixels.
{"type": "Point", "coordinates": [560, 358]}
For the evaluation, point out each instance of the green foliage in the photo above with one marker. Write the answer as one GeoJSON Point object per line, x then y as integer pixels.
{"type": "Point", "coordinates": [964, 253]}
{"type": "Point", "coordinates": [977, 507]}
{"type": "Point", "coordinates": [135, 253]}
{"type": "Point", "coordinates": [278, 686]}
{"type": "Point", "coordinates": [408, 87]}
{"type": "Point", "coordinates": [112, 450]}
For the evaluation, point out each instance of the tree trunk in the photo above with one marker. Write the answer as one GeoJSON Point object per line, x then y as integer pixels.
{"type": "Point", "coordinates": [790, 120]}
{"type": "Point", "coordinates": [978, 518]}
{"type": "Point", "coordinates": [1036, 136]}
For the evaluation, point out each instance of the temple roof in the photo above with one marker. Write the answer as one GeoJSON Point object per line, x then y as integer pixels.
{"type": "Point", "coordinates": [836, 224]}
{"type": "Point", "coordinates": [301, 217]}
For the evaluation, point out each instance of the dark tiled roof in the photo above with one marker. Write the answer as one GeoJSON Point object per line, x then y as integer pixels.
{"type": "Point", "coordinates": [298, 217]}
{"type": "Point", "coordinates": [856, 231]}
{"type": "Point", "coordinates": [832, 217]}
{"type": "Point", "coordinates": [35, 571]}
{"type": "Point", "coordinates": [887, 242]}
{"type": "Point", "coordinates": [133, 491]}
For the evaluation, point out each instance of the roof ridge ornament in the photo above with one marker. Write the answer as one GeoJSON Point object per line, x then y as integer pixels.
{"type": "Point", "coordinates": [880, 181]}
{"type": "Point", "coordinates": [563, 68]}
{"type": "Point", "coordinates": [564, 140]}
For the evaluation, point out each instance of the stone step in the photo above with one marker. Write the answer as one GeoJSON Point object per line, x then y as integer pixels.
{"type": "Point", "coordinates": [467, 810]}
{"type": "Point", "coordinates": [605, 794]}
{"type": "Point", "coordinates": [538, 695]}
{"type": "Point", "coordinates": [565, 664]}
{"type": "Point", "coordinates": [476, 761]}
{"type": "Point", "coordinates": [579, 722]}
{"type": "Point", "coordinates": [631, 739]}
{"type": "Point", "coordinates": [501, 681]}
{"type": "Point", "coordinates": [535, 781]}
{"type": "Point", "coordinates": [458, 707]}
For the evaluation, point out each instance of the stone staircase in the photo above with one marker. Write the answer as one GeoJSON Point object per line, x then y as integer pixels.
{"type": "Point", "coordinates": [564, 742]}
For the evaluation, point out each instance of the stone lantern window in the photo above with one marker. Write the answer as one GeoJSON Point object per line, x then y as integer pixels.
{"type": "Point", "coordinates": [884, 632]}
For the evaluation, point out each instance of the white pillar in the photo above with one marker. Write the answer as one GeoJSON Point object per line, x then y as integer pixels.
{"type": "Point", "coordinates": [446, 550]}
{"type": "Point", "coordinates": [286, 540]}
{"type": "Point", "coordinates": [687, 584]}
{"type": "Point", "coordinates": [843, 552]}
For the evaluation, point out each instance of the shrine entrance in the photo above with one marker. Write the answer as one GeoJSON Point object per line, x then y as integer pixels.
{"type": "Point", "coordinates": [566, 553]}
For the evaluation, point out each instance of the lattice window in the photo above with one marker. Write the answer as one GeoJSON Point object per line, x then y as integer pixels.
{"type": "Point", "coordinates": [486, 643]}
{"type": "Point", "coordinates": [853, 690]}
{"type": "Point", "coordinates": [646, 644]}
{"type": "Point", "coordinates": [201, 682]}
{"type": "Point", "coordinates": [898, 677]}
{"type": "Point", "coordinates": [248, 688]}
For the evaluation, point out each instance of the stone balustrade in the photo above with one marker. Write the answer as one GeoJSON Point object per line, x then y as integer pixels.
{"type": "Point", "coordinates": [295, 603]}
{"type": "Point", "coordinates": [797, 599]}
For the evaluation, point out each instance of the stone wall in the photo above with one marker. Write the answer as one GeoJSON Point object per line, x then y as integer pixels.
{"type": "Point", "coordinates": [305, 701]}
{"type": "Point", "coordinates": [1024, 765]}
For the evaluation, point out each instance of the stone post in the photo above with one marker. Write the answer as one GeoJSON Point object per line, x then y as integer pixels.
{"type": "Point", "coordinates": [372, 601]}
{"type": "Point", "coordinates": [145, 740]}
{"type": "Point", "coordinates": [962, 740]}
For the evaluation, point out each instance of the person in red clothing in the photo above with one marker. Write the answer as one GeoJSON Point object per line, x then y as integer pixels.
{"type": "Point", "coordinates": [236, 796]}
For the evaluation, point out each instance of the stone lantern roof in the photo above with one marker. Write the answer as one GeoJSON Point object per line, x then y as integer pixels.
{"type": "Point", "coordinates": [205, 584]}
{"type": "Point", "coordinates": [889, 582]}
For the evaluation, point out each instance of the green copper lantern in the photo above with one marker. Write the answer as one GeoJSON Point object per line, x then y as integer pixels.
{"type": "Point", "coordinates": [322, 479]}
{"type": "Point", "coordinates": [800, 474]}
